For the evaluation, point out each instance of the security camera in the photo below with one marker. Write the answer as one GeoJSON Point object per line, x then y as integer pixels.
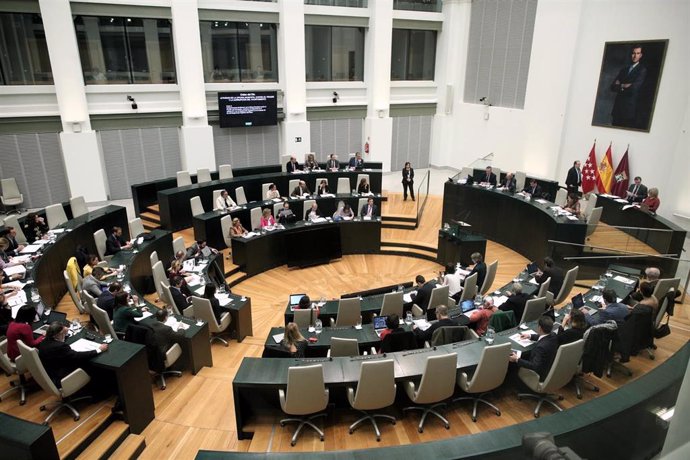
{"type": "Point", "coordinates": [482, 99]}
{"type": "Point", "coordinates": [335, 97]}
{"type": "Point", "coordinates": [134, 103]}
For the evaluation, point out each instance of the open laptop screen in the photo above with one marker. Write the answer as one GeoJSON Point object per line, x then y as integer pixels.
{"type": "Point", "coordinates": [295, 298]}
{"type": "Point", "coordinates": [380, 322]}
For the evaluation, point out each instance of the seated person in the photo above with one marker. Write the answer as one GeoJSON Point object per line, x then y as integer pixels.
{"type": "Point", "coordinates": [651, 276]}
{"type": "Point", "coordinates": [423, 295]}
{"type": "Point", "coordinates": [516, 301]}
{"type": "Point", "coordinates": [267, 219]}
{"type": "Point", "coordinates": [541, 357]}
{"type": "Point", "coordinates": [95, 282]}
{"type": "Point", "coordinates": [363, 186]}
{"type": "Point", "coordinates": [163, 334]}
{"type": "Point", "coordinates": [285, 215]}
{"type": "Point", "coordinates": [272, 192]}
{"type": "Point", "coordinates": [392, 327]}
{"type": "Point", "coordinates": [176, 269]}
{"type": "Point", "coordinates": [573, 328]}
{"type": "Point", "coordinates": [647, 292]}
{"type": "Point", "coordinates": [198, 249]}
{"type": "Point", "coordinates": [5, 278]}
{"type": "Point", "coordinates": [488, 178]}
{"type": "Point", "coordinates": [224, 202]}
{"type": "Point", "coordinates": [479, 267]}
{"type": "Point", "coordinates": [552, 271]}
{"type": "Point", "coordinates": [301, 189]}
{"type": "Point", "coordinates": [572, 205]}
{"type": "Point", "coordinates": [443, 321]}
{"type": "Point", "coordinates": [636, 192]}
{"type": "Point", "coordinates": [369, 209]}
{"type": "Point", "coordinates": [333, 164]}
{"type": "Point", "coordinates": [509, 183]}
{"type": "Point", "coordinates": [124, 314]}
{"type": "Point", "coordinates": [323, 187]}
{"type": "Point", "coordinates": [453, 280]}
{"type": "Point", "coordinates": [34, 227]}
{"type": "Point", "coordinates": [610, 310]}
{"type": "Point", "coordinates": [652, 202]}
{"type": "Point", "coordinates": [237, 229]}
{"type": "Point", "coordinates": [210, 294]}
{"type": "Point", "coordinates": [58, 359]}
{"type": "Point", "coordinates": [92, 262]}
{"type": "Point", "coordinates": [480, 317]}
{"type": "Point", "coordinates": [179, 294]}
{"type": "Point", "coordinates": [106, 301]}
{"type": "Point", "coordinates": [356, 162]}
{"type": "Point", "coordinates": [343, 212]}
{"type": "Point", "coordinates": [5, 315]}
{"type": "Point", "coordinates": [14, 248]}
{"type": "Point", "coordinates": [311, 163]}
{"type": "Point", "coordinates": [115, 242]}
{"type": "Point", "coordinates": [533, 188]}
{"type": "Point", "coordinates": [292, 165]}
{"type": "Point", "coordinates": [293, 341]}
{"type": "Point", "coordinates": [6, 259]}
{"type": "Point", "coordinates": [313, 212]}
{"type": "Point", "coordinates": [20, 329]}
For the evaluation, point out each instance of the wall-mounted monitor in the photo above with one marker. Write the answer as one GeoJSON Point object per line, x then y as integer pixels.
{"type": "Point", "coordinates": [247, 108]}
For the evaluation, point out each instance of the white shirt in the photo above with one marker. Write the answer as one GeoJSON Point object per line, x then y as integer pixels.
{"type": "Point", "coordinates": [225, 203]}
{"type": "Point", "coordinates": [453, 281]}
{"type": "Point", "coordinates": [272, 194]}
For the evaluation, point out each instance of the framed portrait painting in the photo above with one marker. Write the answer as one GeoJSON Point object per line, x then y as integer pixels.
{"type": "Point", "coordinates": [628, 84]}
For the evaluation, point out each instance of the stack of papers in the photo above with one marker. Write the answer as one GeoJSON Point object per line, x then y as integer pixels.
{"type": "Point", "coordinates": [15, 270]}
{"type": "Point", "coordinates": [21, 259]}
{"type": "Point", "coordinates": [278, 338]}
{"type": "Point", "coordinates": [422, 324]}
{"type": "Point", "coordinates": [408, 296]}
{"type": "Point", "coordinates": [621, 200]}
{"type": "Point", "coordinates": [16, 300]}
{"type": "Point", "coordinates": [619, 278]}
{"type": "Point", "coordinates": [84, 345]}
{"type": "Point", "coordinates": [223, 299]}
{"type": "Point", "coordinates": [145, 314]}
{"type": "Point", "coordinates": [571, 217]}
{"type": "Point", "coordinates": [541, 201]}
{"type": "Point", "coordinates": [17, 284]}
{"type": "Point", "coordinates": [519, 340]}
{"type": "Point", "coordinates": [30, 249]}
{"type": "Point", "coordinates": [500, 300]}
{"type": "Point", "coordinates": [249, 235]}
{"type": "Point", "coordinates": [175, 324]}
{"type": "Point", "coordinates": [319, 220]}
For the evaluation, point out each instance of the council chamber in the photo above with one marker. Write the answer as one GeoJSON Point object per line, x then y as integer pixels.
{"type": "Point", "coordinates": [343, 228]}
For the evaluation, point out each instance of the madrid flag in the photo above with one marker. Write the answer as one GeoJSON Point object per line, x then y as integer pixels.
{"type": "Point", "coordinates": [605, 173]}
{"type": "Point", "coordinates": [590, 173]}
{"type": "Point", "coordinates": [620, 177]}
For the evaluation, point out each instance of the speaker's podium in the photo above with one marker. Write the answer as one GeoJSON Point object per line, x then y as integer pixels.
{"type": "Point", "coordinates": [24, 440]}
{"type": "Point", "coordinates": [457, 242]}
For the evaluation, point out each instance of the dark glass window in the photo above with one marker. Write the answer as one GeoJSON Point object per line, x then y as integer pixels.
{"type": "Point", "coordinates": [334, 53]}
{"type": "Point", "coordinates": [24, 56]}
{"type": "Point", "coordinates": [413, 54]}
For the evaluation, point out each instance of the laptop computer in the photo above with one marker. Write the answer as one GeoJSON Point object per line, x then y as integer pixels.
{"type": "Point", "coordinates": [578, 301]}
{"type": "Point", "coordinates": [380, 324]}
{"type": "Point", "coordinates": [532, 267]}
{"type": "Point", "coordinates": [294, 299]}
{"type": "Point", "coordinates": [467, 306]}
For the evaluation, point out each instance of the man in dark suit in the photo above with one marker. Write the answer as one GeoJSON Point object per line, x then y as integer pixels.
{"type": "Point", "coordinates": [574, 178]}
{"type": "Point", "coordinates": [637, 191]}
{"type": "Point", "coordinates": [509, 183]}
{"type": "Point", "coordinates": [333, 162]}
{"type": "Point", "coordinates": [369, 209]}
{"type": "Point", "coordinates": [533, 188]}
{"type": "Point", "coordinates": [14, 247]}
{"type": "Point", "coordinates": [115, 242]}
{"type": "Point", "coordinates": [292, 165]}
{"type": "Point", "coordinates": [423, 295]}
{"type": "Point", "coordinates": [516, 301]}
{"type": "Point", "coordinates": [301, 189]}
{"type": "Point", "coordinates": [356, 162]}
{"type": "Point", "coordinates": [488, 177]}
{"type": "Point", "coordinates": [627, 87]}
{"type": "Point", "coordinates": [163, 334]}
{"type": "Point", "coordinates": [443, 321]}
{"type": "Point", "coordinates": [552, 271]}
{"type": "Point", "coordinates": [106, 301]}
{"type": "Point", "coordinates": [610, 310]}
{"type": "Point", "coordinates": [478, 267]}
{"type": "Point", "coordinates": [541, 357]}
{"type": "Point", "coordinates": [58, 359]}
{"type": "Point", "coordinates": [179, 298]}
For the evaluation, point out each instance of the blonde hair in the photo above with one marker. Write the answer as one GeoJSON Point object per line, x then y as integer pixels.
{"type": "Point", "coordinates": [292, 334]}
{"type": "Point", "coordinates": [266, 212]}
{"type": "Point", "coordinates": [653, 192]}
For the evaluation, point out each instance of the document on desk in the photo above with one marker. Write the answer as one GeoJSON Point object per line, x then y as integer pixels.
{"type": "Point", "coordinates": [16, 284]}
{"type": "Point", "coordinates": [30, 249]}
{"type": "Point", "coordinates": [572, 217]}
{"type": "Point", "coordinates": [319, 220]}
{"type": "Point", "coordinates": [249, 235]}
{"type": "Point", "coordinates": [145, 314]}
{"type": "Point", "coordinates": [188, 265]}
{"type": "Point", "coordinates": [619, 278]}
{"type": "Point", "coordinates": [621, 200]}
{"type": "Point", "coordinates": [407, 298]}
{"type": "Point", "coordinates": [21, 259]}
{"type": "Point", "coordinates": [519, 340]}
{"type": "Point", "coordinates": [57, 230]}
{"type": "Point", "coordinates": [422, 324]}
{"type": "Point", "coordinates": [17, 300]}
{"type": "Point", "coordinates": [541, 201]}
{"type": "Point", "coordinates": [175, 324]}
{"type": "Point", "coordinates": [15, 270]}
{"type": "Point", "coordinates": [500, 300]}
{"type": "Point", "coordinates": [84, 345]}
{"type": "Point", "coordinates": [278, 338]}
{"type": "Point", "coordinates": [223, 299]}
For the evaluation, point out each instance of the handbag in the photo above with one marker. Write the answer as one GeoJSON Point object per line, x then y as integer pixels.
{"type": "Point", "coordinates": [663, 330]}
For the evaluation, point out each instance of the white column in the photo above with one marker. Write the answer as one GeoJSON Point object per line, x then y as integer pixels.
{"type": "Point", "coordinates": [451, 60]}
{"type": "Point", "coordinates": [378, 125]}
{"type": "Point", "coordinates": [294, 130]}
{"type": "Point", "coordinates": [80, 146]}
{"type": "Point", "coordinates": [196, 136]}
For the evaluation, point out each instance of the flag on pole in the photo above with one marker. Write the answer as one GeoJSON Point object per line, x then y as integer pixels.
{"type": "Point", "coordinates": [621, 177]}
{"type": "Point", "coordinates": [605, 177]}
{"type": "Point", "coordinates": [590, 173]}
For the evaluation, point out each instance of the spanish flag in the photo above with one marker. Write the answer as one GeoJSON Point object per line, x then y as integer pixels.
{"type": "Point", "coordinates": [605, 177]}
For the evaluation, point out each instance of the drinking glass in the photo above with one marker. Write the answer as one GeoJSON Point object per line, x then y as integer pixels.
{"type": "Point", "coordinates": [318, 326]}
{"type": "Point", "coordinates": [490, 335]}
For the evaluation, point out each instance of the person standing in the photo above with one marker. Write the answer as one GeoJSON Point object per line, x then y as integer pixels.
{"type": "Point", "coordinates": [637, 191]}
{"type": "Point", "coordinates": [573, 180]}
{"type": "Point", "coordinates": [408, 180]}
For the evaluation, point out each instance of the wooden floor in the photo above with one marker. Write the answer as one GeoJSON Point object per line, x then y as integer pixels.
{"type": "Point", "coordinates": [197, 412]}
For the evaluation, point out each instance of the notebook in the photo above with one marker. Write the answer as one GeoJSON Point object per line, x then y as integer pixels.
{"type": "Point", "coordinates": [380, 324]}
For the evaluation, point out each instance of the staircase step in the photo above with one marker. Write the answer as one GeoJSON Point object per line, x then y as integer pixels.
{"type": "Point", "coordinates": [130, 449]}
{"type": "Point", "coordinates": [146, 215]}
{"type": "Point", "coordinates": [154, 208]}
{"type": "Point", "coordinates": [88, 428]}
{"type": "Point", "coordinates": [235, 278]}
{"type": "Point", "coordinates": [107, 442]}
{"type": "Point", "coordinates": [409, 244]}
{"type": "Point", "coordinates": [399, 225]}
{"type": "Point", "coordinates": [408, 252]}
{"type": "Point", "coordinates": [150, 225]}
{"type": "Point", "coordinates": [398, 218]}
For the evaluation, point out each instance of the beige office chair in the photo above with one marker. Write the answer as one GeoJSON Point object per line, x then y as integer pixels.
{"type": "Point", "coordinates": [375, 390]}
{"type": "Point", "coordinates": [439, 296]}
{"type": "Point", "coordinates": [203, 311]}
{"type": "Point", "coordinates": [264, 190]}
{"type": "Point", "coordinates": [561, 197]}
{"type": "Point", "coordinates": [283, 162]}
{"type": "Point", "coordinates": [437, 385]}
{"type": "Point", "coordinates": [78, 206]}
{"type": "Point", "coordinates": [240, 197]}
{"type": "Point", "coordinates": [99, 238]}
{"type": "Point", "coordinates": [544, 288]}
{"type": "Point", "coordinates": [203, 175]}
{"type": "Point", "coordinates": [197, 207]}
{"type": "Point", "coordinates": [11, 195]}
{"type": "Point", "coordinates": [276, 209]}
{"type": "Point", "coordinates": [292, 185]}
{"type": "Point", "coordinates": [360, 204]}
{"type": "Point", "coordinates": [69, 385]}
{"type": "Point", "coordinates": [224, 172]}
{"type": "Point", "coordinates": [451, 334]}
{"type": "Point", "coordinates": [664, 285]}
{"type": "Point", "coordinates": [343, 347]}
{"type": "Point", "coordinates": [11, 369]}
{"type": "Point", "coordinates": [89, 302]}
{"type": "Point", "coordinates": [73, 293]}
{"type": "Point", "coordinates": [663, 306]}
{"type": "Point", "coordinates": [349, 313]}
{"type": "Point", "coordinates": [103, 322]}
{"type": "Point", "coordinates": [489, 375]}
{"type": "Point", "coordinates": [593, 220]}
{"type": "Point", "coordinates": [12, 221]}
{"type": "Point", "coordinates": [563, 369]}
{"type": "Point", "coordinates": [318, 181]}
{"type": "Point", "coordinates": [225, 226]}
{"type": "Point", "coordinates": [490, 277]}
{"type": "Point", "coordinates": [178, 245]}
{"type": "Point", "coordinates": [469, 290]}
{"type": "Point", "coordinates": [307, 208]}
{"type": "Point", "coordinates": [159, 277]}
{"type": "Point", "coordinates": [55, 215]}
{"type": "Point", "coordinates": [136, 228]}
{"type": "Point", "coordinates": [214, 198]}
{"type": "Point", "coordinates": [255, 218]}
{"type": "Point", "coordinates": [534, 308]}
{"type": "Point", "coordinates": [568, 283]}
{"type": "Point", "coordinates": [306, 394]}
{"type": "Point", "coordinates": [520, 179]}
{"type": "Point", "coordinates": [167, 297]}
{"type": "Point", "coordinates": [183, 178]}
{"type": "Point", "coordinates": [392, 304]}
{"type": "Point", "coordinates": [343, 186]}
{"type": "Point", "coordinates": [172, 354]}
{"type": "Point", "coordinates": [303, 318]}
{"type": "Point", "coordinates": [153, 258]}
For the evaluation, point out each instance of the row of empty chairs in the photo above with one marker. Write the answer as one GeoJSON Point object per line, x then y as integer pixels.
{"type": "Point", "coordinates": [203, 175]}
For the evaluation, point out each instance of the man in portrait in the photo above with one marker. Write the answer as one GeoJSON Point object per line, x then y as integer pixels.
{"type": "Point", "coordinates": [627, 87]}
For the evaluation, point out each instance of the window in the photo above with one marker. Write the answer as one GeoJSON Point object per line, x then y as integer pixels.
{"type": "Point", "coordinates": [433, 6]}
{"type": "Point", "coordinates": [413, 54]}
{"type": "Point", "coordinates": [116, 50]}
{"type": "Point", "coordinates": [24, 56]}
{"type": "Point", "coordinates": [334, 53]}
{"type": "Point", "coordinates": [349, 3]}
{"type": "Point", "coordinates": [239, 51]}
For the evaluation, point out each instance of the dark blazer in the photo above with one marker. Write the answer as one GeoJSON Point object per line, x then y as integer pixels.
{"type": "Point", "coordinates": [12, 249]}
{"type": "Point", "coordinates": [541, 356]}
{"type": "Point", "coordinates": [364, 188]}
{"type": "Point", "coordinates": [640, 195]}
{"type": "Point", "coordinates": [332, 164]}
{"type": "Point", "coordinates": [404, 176]}
{"type": "Point", "coordinates": [516, 304]}
{"type": "Point", "coordinates": [354, 163]}
{"type": "Point", "coordinates": [534, 192]}
{"type": "Point", "coordinates": [299, 191]}
{"type": "Point", "coordinates": [106, 302]}
{"type": "Point", "coordinates": [289, 167]}
{"type": "Point", "coordinates": [511, 185]}
{"type": "Point", "coordinates": [491, 178]}
{"type": "Point", "coordinates": [321, 191]}
{"type": "Point", "coordinates": [556, 274]}
{"type": "Point", "coordinates": [573, 180]}
{"type": "Point", "coordinates": [423, 295]}
{"type": "Point", "coordinates": [566, 336]}
{"type": "Point", "coordinates": [217, 310]}
{"type": "Point", "coordinates": [423, 336]}
{"type": "Point", "coordinates": [179, 299]}
{"type": "Point", "coordinates": [374, 210]}
{"type": "Point", "coordinates": [480, 270]}
{"type": "Point", "coordinates": [625, 106]}
{"type": "Point", "coordinates": [164, 336]}
{"type": "Point", "coordinates": [59, 360]}
{"type": "Point", "coordinates": [113, 244]}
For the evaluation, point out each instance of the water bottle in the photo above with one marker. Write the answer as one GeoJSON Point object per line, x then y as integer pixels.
{"type": "Point", "coordinates": [478, 300]}
{"type": "Point", "coordinates": [490, 335]}
{"type": "Point", "coordinates": [408, 318]}
{"type": "Point", "coordinates": [35, 296]}
{"type": "Point", "coordinates": [318, 326]}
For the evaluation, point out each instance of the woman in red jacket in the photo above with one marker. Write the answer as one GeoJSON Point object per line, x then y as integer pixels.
{"type": "Point", "coordinates": [20, 329]}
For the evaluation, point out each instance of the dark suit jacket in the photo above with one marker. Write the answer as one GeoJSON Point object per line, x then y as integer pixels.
{"type": "Point", "coordinates": [179, 299]}
{"type": "Point", "coordinates": [164, 336]}
{"type": "Point", "coordinates": [423, 295]}
{"type": "Point", "coordinates": [14, 245]}
{"type": "Point", "coordinates": [480, 270]}
{"type": "Point", "coordinates": [572, 180]}
{"type": "Point", "coordinates": [59, 360]}
{"type": "Point", "coordinates": [640, 195]}
{"type": "Point", "coordinates": [541, 356]}
{"type": "Point", "coordinates": [490, 179]}
{"type": "Point", "coordinates": [535, 192]}
{"type": "Point", "coordinates": [516, 304]}
{"type": "Point", "coordinates": [106, 302]}
{"type": "Point", "coordinates": [113, 244]}
{"type": "Point", "coordinates": [289, 167]}
{"type": "Point", "coordinates": [217, 310]}
{"type": "Point", "coordinates": [510, 185]}
{"type": "Point", "coordinates": [404, 176]}
{"type": "Point", "coordinates": [566, 336]}
{"type": "Point", "coordinates": [625, 106]}
{"type": "Point", "coordinates": [332, 164]}
{"type": "Point", "coordinates": [354, 163]}
{"type": "Point", "coordinates": [423, 336]}
{"type": "Point", "coordinates": [556, 274]}
{"type": "Point", "coordinates": [374, 210]}
{"type": "Point", "coordinates": [299, 191]}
